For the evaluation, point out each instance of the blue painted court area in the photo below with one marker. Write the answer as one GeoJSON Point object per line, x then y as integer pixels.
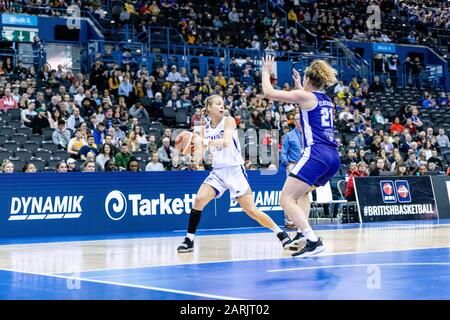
{"type": "Point", "coordinates": [24, 286]}
{"type": "Point", "coordinates": [411, 274]}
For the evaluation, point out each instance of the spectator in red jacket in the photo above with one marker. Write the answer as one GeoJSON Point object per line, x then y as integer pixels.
{"type": "Point", "coordinates": [397, 127]}
{"type": "Point", "coordinates": [361, 171]}
{"type": "Point", "coordinates": [8, 102]}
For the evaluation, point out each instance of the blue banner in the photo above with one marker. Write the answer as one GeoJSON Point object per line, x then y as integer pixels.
{"type": "Point", "coordinates": [384, 47]}
{"type": "Point", "coordinates": [21, 20]}
{"type": "Point", "coordinates": [51, 204]}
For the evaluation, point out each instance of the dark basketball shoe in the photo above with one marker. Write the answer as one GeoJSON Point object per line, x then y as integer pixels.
{"type": "Point", "coordinates": [310, 249]}
{"type": "Point", "coordinates": [284, 238]}
{"type": "Point", "coordinates": [186, 246]}
{"type": "Point", "coordinates": [297, 241]}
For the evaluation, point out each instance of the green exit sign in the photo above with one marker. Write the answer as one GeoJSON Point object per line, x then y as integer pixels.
{"type": "Point", "coordinates": [18, 34]}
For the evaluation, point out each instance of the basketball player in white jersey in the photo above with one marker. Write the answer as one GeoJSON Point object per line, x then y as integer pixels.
{"type": "Point", "coordinates": [219, 134]}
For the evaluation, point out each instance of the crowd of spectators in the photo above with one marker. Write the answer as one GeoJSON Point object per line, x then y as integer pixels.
{"type": "Point", "coordinates": [243, 24]}
{"type": "Point", "coordinates": [379, 145]}
{"type": "Point", "coordinates": [232, 24]}
{"type": "Point", "coordinates": [53, 7]}
{"type": "Point", "coordinates": [103, 118]}
{"type": "Point", "coordinates": [100, 119]}
{"type": "Point", "coordinates": [412, 22]}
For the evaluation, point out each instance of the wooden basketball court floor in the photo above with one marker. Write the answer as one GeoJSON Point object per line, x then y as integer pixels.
{"type": "Point", "coordinates": [395, 260]}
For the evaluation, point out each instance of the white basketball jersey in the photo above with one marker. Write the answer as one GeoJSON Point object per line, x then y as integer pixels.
{"type": "Point", "coordinates": [223, 157]}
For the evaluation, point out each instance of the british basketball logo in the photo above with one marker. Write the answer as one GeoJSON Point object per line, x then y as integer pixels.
{"type": "Point", "coordinates": [388, 191]}
{"type": "Point", "coordinates": [403, 191]}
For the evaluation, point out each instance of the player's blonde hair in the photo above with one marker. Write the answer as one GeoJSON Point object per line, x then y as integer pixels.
{"type": "Point", "coordinates": [321, 74]}
{"type": "Point", "coordinates": [208, 103]}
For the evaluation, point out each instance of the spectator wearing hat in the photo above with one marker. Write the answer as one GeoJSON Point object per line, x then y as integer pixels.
{"type": "Point", "coordinates": [61, 136]}
{"type": "Point", "coordinates": [39, 121]}
{"type": "Point", "coordinates": [71, 165]}
{"type": "Point", "coordinates": [174, 75]}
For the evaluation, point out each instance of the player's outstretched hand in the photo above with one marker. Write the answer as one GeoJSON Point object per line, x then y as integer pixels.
{"type": "Point", "coordinates": [297, 79]}
{"type": "Point", "coordinates": [267, 63]}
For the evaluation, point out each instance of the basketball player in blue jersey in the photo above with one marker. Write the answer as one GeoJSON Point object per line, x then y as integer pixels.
{"type": "Point", "coordinates": [320, 159]}
{"type": "Point", "coordinates": [220, 136]}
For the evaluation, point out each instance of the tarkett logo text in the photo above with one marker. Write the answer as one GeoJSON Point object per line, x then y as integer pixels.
{"type": "Point", "coordinates": [116, 205]}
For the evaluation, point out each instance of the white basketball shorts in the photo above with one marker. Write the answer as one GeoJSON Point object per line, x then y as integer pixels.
{"type": "Point", "coordinates": [232, 178]}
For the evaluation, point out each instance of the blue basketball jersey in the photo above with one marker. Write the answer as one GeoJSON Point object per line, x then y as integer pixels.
{"type": "Point", "coordinates": [317, 123]}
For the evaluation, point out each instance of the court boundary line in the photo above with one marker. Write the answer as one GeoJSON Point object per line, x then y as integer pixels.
{"type": "Point", "coordinates": [274, 258]}
{"type": "Point", "coordinates": [130, 285]}
{"type": "Point", "coordinates": [361, 265]}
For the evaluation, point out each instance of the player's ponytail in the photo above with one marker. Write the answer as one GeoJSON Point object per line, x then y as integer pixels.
{"type": "Point", "coordinates": [321, 74]}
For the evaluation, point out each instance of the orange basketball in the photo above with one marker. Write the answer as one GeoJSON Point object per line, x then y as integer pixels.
{"type": "Point", "coordinates": [185, 140]}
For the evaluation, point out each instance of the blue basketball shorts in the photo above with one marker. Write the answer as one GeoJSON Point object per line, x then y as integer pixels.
{"type": "Point", "coordinates": [318, 164]}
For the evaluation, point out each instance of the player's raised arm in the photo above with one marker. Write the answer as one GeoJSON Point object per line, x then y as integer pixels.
{"type": "Point", "coordinates": [302, 96]}
{"type": "Point", "coordinates": [299, 96]}
{"type": "Point", "coordinates": [230, 125]}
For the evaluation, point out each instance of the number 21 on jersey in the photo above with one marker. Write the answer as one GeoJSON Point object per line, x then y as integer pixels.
{"type": "Point", "coordinates": [327, 117]}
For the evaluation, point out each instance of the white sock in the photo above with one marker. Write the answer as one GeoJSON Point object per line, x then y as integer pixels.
{"type": "Point", "coordinates": [299, 230]}
{"type": "Point", "coordinates": [309, 234]}
{"type": "Point", "coordinates": [190, 236]}
{"type": "Point", "coordinates": [276, 230]}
